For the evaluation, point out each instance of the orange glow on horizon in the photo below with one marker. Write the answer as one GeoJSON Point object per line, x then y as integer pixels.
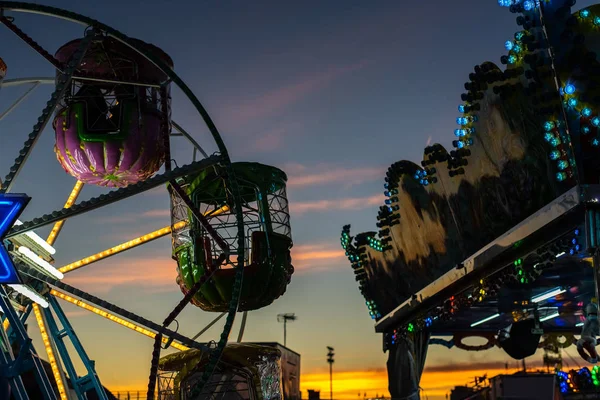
{"type": "Point", "coordinates": [348, 384]}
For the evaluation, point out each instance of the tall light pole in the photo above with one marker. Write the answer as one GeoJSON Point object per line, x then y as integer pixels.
{"type": "Point", "coordinates": [285, 318]}
{"type": "Point", "coordinates": [330, 355]}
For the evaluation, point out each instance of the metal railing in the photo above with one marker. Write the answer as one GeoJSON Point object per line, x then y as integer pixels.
{"type": "Point", "coordinates": [130, 394]}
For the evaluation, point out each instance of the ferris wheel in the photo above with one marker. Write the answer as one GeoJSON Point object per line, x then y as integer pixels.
{"type": "Point", "coordinates": [110, 112]}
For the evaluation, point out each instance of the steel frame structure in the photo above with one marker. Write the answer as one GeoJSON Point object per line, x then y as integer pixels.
{"type": "Point", "coordinates": [577, 207]}
{"type": "Point", "coordinates": [54, 332]}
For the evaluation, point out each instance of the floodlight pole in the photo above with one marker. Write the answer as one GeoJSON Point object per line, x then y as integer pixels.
{"type": "Point", "coordinates": [285, 318]}
{"type": "Point", "coordinates": [330, 360]}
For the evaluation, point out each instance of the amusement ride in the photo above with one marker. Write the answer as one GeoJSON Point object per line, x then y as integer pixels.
{"type": "Point", "coordinates": [110, 111]}
{"type": "Point", "coordinates": [499, 238]}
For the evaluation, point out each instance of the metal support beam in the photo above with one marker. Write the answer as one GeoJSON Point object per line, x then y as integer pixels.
{"type": "Point", "coordinates": [62, 85]}
{"type": "Point", "coordinates": [82, 384]}
{"type": "Point", "coordinates": [6, 358]}
{"type": "Point", "coordinates": [12, 368]}
{"type": "Point", "coordinates": [18, 101]}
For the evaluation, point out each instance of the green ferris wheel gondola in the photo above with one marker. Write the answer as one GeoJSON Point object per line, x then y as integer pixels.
{"type": "Point", "coordinates": [267, 263]}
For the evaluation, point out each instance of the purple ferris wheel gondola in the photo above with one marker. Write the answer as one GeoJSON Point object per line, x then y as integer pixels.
{"type": "Point", "coordinates": [109, 127]}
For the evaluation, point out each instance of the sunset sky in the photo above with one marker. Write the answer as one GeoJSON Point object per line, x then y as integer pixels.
{"type": "Point", "coordinates": [331, 91]}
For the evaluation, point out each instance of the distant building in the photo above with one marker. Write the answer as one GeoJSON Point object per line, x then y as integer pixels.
{"type": "Point", "coordinates": [314, 394]}
{"type": "Point", "coordinates": [461, 392]}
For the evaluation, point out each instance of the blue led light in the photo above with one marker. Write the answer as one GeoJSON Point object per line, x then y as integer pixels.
{"type": "Point", "coordinates": [596, 142]}
{"type": "Point", "coordinates": [519, 35]}
{"type": "Point", "coordinates": [517, 48]}
{"type": "Point", "coordinates": [586, 112]}
{"type": "Point", "coordinates": [508, 45]}
{"type": "Point", "coordinates": [548, 136]}
{"type": "Point", "coordinates": [460, 145]}
{"type": "Point", "coordinates": [563, 164]}
{"type": "Point", "coordinates": [596, 21]}
{"type": "Point", "coordinates": [585, 130]}
{"type": "Point", "coordinates": [512, 59]}
{"type": "Point", "coordinates": [569, 89]}
{"type": "Point", "coordinates": [596, 121]}
{"type": "Point", "coordinates": [584, 13]}
{"type": "Point", "coordinates": [461, 108]}
{"type": "Point", "coordinates": [11, 207]}
{"type": "Point", "coordinates": [572, 102]}
{"type": "Point", "coordinates": [528, 5]}
{"type": "Point", "coordinates": [554, 155]}
{"type": "Point", "coordinates": [549, 125]}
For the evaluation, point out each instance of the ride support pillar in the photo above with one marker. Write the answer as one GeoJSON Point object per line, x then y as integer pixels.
{"type": "Point", "coordinates": [82, 384]}
{"type": "Point", "coordinates": [12, 367]}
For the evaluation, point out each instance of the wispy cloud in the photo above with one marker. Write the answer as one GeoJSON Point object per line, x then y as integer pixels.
{"type": "Point", "coordinates": [316, 257]}
{"type": "Point", "coordinates": [269, 141]}
{"type": "Point", "coordinates": [301, 176]}
{"type": "Point", "coordinates": [151, 273]}
{"type": "Point", "coordinates": [275, 100]}
{"type": "Point", "coordinates": [163, 212]}
{"type": "Point", "coordinates": [157, 274]}
{"type": "Point", "coordinates": [357, 203]}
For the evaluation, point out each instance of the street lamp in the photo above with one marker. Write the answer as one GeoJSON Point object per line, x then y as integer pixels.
{"type": "Point", "coordinates": [285, 318]}
{"type": "Point", "coordinates": [330, 360]}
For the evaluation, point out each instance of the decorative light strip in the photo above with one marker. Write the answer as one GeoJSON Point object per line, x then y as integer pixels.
{"type": "Point", "coordinates": [38, 240]}
{"type": "Point", "coordinates": [135, 242]}
{"type": "Point", "coordinates": [114, 318]}
{"type": "Point", "coordinates": [548, 317]}
{"type": "Point", "coordinates": [70, 201]}
{"type": "Point", "coordinates": [121, 247]}
{"type": "Point", "coordinates": [50, 352]}
{"type": "Point", "coordinates": [548, 295]}
{"type": "Point", "coordinates": [491, 317]}
{"type": "Point", "coordinates": [28, 253]}
{"type": "Point", "coordinates": [30, 294]}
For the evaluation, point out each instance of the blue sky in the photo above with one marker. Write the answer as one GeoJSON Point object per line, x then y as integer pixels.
{"type": "Point", "coordinates": [331, 91]}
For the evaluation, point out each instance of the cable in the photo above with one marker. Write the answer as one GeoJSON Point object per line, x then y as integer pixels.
{"type": "Point", "coordinates": [572, 359]}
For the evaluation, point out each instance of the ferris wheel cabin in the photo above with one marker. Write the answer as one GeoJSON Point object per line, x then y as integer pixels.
{"type": "Point", "coordinates": [267, 259]}
{"type": "Point", "coordinates": [113, 121]}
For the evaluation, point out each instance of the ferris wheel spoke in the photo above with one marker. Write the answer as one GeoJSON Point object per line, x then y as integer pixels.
{"type": "Point", "coordinates": [19, 101]}
{"type": "Point", "coordinates": [116, 319]}
{"type": "Point", "coordinates": [133, 243]}
{"type": "Point", "coordinates": [27, 81]}
{"type": "Point", "coordinates": [120, 248]}
{"type": "Point", "coordinates": [210, 325]}
{"type": "Point", "coordinates": [182, 132]}
{"type": "Point", "coordinates": [69, 203]}
{"type": "Point", "coordinates": [93, 303]}
{"type": "Point", "coordinates": [242, 326]}
{"type": "Point", "coordinates": [200, 217]}
{"type": "Point", "coordinates": [114, 196]}
{"type": "Point", "coordinates": [32, 43]}
{"type": "Point", "coordinates": [61, 87]}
